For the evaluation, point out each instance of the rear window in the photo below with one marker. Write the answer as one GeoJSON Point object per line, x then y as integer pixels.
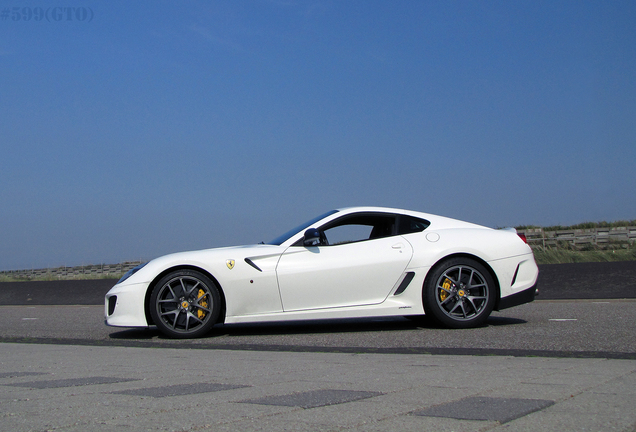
{"type": "Point", "coordinates": [410, 224]}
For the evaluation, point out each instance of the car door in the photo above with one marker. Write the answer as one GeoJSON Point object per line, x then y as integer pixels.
{"type": "Point", "coordinates": [359, 263]}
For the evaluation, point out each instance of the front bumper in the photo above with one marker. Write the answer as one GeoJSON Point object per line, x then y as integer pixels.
{"type": "Point", "coordinates": [124, 305]}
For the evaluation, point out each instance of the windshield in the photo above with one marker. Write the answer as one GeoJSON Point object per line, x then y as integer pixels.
{"type": "Point", "coordinates": [282, 238]}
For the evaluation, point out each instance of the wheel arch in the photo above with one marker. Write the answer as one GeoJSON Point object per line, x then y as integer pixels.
{"type": "Point", "coordinates": [469, 256]}
{"type": "Point", "coordinates": [206, 273]}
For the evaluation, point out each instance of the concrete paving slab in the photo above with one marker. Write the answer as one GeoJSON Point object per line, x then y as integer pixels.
{"type": "Point", "coordinates": [400, 385]}
{"type": "Point", "coordinates": [70, 382]}
{"type": "Point", "coordinates": [501, 410]}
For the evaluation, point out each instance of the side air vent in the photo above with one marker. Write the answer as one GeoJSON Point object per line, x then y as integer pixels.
{"type": "Point", "coordinates": [405, 282]}
{"type": "Point", "coordinates": [514, 278]}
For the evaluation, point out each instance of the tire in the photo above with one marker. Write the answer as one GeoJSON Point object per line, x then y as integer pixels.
{"type": "Point", "coordinates": [185, 304]}
{"type": "Point", "coordinates": [459, 293]}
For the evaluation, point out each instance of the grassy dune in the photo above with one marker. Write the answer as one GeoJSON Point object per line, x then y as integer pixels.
{"type": "Point", "coordinates": [556, 255]}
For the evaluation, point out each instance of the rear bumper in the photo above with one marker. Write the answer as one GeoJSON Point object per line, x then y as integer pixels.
{"type": "Point", "coordinates": [525, 296]}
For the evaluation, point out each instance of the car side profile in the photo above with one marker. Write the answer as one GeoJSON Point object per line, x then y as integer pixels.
{"type": "Point", "coordinates": [347, 263]}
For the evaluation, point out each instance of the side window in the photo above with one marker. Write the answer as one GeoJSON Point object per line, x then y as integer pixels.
{"type": "Point", "coordinates": [359, 227]}
{"type": "Point", "coordinates": [348, 233]}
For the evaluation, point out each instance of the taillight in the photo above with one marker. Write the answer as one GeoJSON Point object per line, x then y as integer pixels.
{"type": "Point", "coordinates": [523, 237]}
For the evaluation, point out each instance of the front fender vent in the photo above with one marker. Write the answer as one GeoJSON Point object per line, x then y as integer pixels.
{"type": "Point", "coordinates": [250, 262]}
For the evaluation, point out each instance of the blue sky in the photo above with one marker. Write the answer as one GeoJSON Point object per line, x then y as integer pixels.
{"type": "Point", "coordinates": [151, 127]}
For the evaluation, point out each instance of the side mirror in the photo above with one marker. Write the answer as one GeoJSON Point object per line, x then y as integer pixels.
{"type": "Point", "coordinates": [312, 237]}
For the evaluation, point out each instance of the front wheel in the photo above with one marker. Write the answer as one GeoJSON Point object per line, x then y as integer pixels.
{"type": "Point", "coordinates": [185, 304]}
{"type": "Point", "coordinates": [459, 293]}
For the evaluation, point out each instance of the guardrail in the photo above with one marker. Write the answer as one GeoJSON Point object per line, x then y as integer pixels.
{"type": "Point", "coordinates": [601, 237]}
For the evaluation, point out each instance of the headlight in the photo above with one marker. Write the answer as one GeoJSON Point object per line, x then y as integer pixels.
{"type": "Point", "coordinates": [131, 272]}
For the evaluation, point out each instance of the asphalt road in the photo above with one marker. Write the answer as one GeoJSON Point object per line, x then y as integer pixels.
{"type": "Point", "coordinates": [598, 324]}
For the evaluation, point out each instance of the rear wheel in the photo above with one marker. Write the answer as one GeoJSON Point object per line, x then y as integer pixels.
{"type": "Point", "coordinates": [185, 304]}
{"type": "Point", "coordinates": [459, 293]}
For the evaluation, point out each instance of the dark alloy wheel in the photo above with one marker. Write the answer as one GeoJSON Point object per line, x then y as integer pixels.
{"type": "Point", "coordinates": [185, 304]}
{"type": "Point", "coordinates": [459, 293]}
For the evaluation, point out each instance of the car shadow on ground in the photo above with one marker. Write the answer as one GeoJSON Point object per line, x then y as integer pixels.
{"type": "Point", "coordinates": [136, 334]}
{"type": "Point", "coordinates": [354, 325]}
{"type": "Point", "coordinates": [496, 321]}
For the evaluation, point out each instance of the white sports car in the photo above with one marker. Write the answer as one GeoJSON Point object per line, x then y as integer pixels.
{"type": "Point", "coordinates": [353, 262]}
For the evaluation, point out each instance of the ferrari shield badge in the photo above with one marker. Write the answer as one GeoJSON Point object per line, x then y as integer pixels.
{"type": "Point", "coordinates": [230, 264]}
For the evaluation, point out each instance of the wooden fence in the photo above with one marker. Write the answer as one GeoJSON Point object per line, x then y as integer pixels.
{"type": "Point", "coordinates": [601, 237]}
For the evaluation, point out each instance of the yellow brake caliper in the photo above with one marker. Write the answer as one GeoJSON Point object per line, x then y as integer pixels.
{"type": "Point", "coordinates": [447, 286]}
{"type": "Point", "coordinates": [202, 303]}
